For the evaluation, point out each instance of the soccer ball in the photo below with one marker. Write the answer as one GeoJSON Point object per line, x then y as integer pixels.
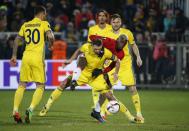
{"type": "Point", "coordinates": [113, 107]}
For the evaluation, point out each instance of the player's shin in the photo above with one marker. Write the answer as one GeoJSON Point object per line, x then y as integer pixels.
{"type": "Point", "coordinates": [124, 110]}
{"type": "Point", "coordinates": [18, 98]}
{"type": "Point", "coordinates": [136, 102]}
{"type": "Point", "coordinates": [95, 96]}
{"type": "Point", "coordinates": [37, 96]}
{"type": "Point", "coordinates": [54, 96]}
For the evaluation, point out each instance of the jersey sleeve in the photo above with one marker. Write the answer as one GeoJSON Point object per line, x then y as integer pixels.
{"type": "Point", "coordinates": [84, 47]}
{"type": "Point", "coordinates": [46, 26]}
{"type": "Point", "coordinates": [21, 31]}
{"type": "Point", "coordinates": [130, 37]}
{"type": "Point", "coordinates": [89, 34]}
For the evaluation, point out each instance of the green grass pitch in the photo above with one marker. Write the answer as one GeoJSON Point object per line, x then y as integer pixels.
{"type": "Point", "coordinates": [163, 111]}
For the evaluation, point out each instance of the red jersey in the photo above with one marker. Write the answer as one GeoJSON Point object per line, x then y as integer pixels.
{"type": "Point", "coordinates": [109, 44]}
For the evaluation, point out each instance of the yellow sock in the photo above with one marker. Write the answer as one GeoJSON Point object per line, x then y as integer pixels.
{"type": "Point", "coordinates": [18, 97]}
{"type": "Point", "coordinates": [37, 97]}
{"type": "Point", "coordinates": [124, 110]}
{"type": "Point", "coordinates": [95, 97]}
{"type": "Point", "coordinates": [136, 102]}
{"type": "Point", "coordinates": [54, 96]}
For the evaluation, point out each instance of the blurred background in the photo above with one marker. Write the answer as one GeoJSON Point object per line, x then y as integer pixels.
{"type": "Point", "coordinates": [160, 27]}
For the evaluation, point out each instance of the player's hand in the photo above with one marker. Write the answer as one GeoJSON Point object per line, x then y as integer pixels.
{"type": "Point", "coordinates": [50, 48]}
{"type": "Point", "coordinates": [139, 62]}
{"type": "Point", "coordinates": [13, 61]}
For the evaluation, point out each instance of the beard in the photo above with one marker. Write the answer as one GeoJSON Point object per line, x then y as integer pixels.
{"type": "Point", "coordinates": [116, 28]}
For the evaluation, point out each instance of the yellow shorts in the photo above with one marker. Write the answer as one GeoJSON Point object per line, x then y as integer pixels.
{"type": "Point", "coordinates": [32, 69]}
{"type": "Point", "coordinates": [84, 78]}
{"type": "Point", "coordinates": [99, 85]}
{"type": "Point", "coordinates": [126, 74]}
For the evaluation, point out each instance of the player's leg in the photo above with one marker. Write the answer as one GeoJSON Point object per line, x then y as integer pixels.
{"type": "Point", "coordinates": [81, 63]}
{"type": "Point", "coordinates": [37, 96]}
{"type": "Point", "coordinates": [109, 95]}
{"type": "Point", "coordinates": [136, 101]}
{"type": "Point", "coordinates": [96, 110]}
{"type": "Point", "coordinates": [17, 100]}
{"type": "Point", "coordinates": [107, 78]}
{"type": "Point", "coordinates": [24, 78]}
{"type": "Point", "coordinates": [55, 95]}
{"type": "Point", "coordinates": [127, 77]}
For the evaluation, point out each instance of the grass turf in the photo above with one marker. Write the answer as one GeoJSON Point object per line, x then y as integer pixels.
{"type": "Point", "coordinates": [163, 110]}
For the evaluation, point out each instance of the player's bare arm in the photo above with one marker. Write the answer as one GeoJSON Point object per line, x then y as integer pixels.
{"type": "Point", "coordinates": [50, 38]}
{"type": "Point", "coordinates": [13, 60]}
{"type": "Point", "coordinates": [137, 54]}
{"type": "Point", "coordinates": [116, 69]}
{"type": "Point", "coordinates": [74, 56]}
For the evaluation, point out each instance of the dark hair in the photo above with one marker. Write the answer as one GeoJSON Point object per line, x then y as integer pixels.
{"type": "Point", "coordinates": [97, 42]}
{"type": "Point", "coordinates": [106, 14]}
{"type": "Point", "coordinates": [39, 9]}
{"type": "Point", "coordinates": [114, 16]}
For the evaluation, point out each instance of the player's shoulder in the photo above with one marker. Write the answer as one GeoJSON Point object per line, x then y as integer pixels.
{"type": "Point", "coordinates": [86, 45]}
{"type": "Point", "coordinates": [125, 30]}
{"type": "Point", "coordinates": [108, 26]}
{"type": "Point", "coordinates": [25, 24]}
{"type": "Point", "coordinates": [94, 27]}
{"type": "Point", "coordinates": [45, 23]}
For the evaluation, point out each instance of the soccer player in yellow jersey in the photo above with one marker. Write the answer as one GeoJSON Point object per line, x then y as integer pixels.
{"type": "Point", "coordinates": [33, 67]}
{"type": "Point", "coordinates": [102, 27]}
{"type": "Point", "coordinates": [126, 73]}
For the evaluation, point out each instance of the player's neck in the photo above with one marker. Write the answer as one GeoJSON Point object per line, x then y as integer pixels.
{"type": "Point", "coordinates": [38, 17]}
{"type": "Point", "coordinates": [116, 31]}
{"type": "Point", "coordinates": [102, 26]}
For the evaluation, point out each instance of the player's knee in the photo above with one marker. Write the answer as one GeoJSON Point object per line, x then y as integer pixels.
{"type": "Point", "coordinates": [63, 84]}
{"type": "Point", "coordinates": [133, 90]}
{"type": "Point", "coordinates": [40, 85]}
{"type": "Point", "coordinates": [23, 84]}
{"type": "Point", "coordinates": [110, 96]}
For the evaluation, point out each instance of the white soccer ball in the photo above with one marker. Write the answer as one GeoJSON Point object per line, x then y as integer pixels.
{"type": "Point", "coordinates": [113, 107]}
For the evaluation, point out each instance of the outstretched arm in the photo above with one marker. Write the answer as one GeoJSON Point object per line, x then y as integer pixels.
{"type": "Point", "coordinates": [74, 56]}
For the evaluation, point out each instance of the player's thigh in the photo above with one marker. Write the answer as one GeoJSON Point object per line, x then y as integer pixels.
{"type": "Point", "coordinates": [38, 72]}
{"type": "Point", "coordinates": [99, 84]}
{"type": "Point", "coordinates": [126, 76]}
{"type": "Point", "coordinates": [83, 78]}
{"type": "Point", "coordinates": [25, 71]}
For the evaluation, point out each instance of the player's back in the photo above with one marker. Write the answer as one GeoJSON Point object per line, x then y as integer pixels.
{"type": "Point", "coordinates": [130, 37]}
{"type": "Point", "coordinates": [33, 33]}
{"type": "Point", "coordinates": [96, 30]}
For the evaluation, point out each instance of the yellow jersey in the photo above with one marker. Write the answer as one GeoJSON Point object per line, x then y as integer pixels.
{"type": "Point", "coordinates": [33, 33]}
{"type": "Point", "coordinates": [131, 41]}
{"type": "Point", "coordinates": [96, 30]}
{"type": "Point", "coordinates": [93, 60]}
